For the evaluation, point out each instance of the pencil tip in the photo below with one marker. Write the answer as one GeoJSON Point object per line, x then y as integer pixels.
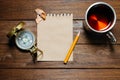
{"type": "Point", "coordinates": [65, 63]}
{"type": "Point", "coordinates": [78, 33]}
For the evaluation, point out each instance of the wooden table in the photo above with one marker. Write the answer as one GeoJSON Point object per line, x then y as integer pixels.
{"type": "Point", "coordinates": [94, 58]}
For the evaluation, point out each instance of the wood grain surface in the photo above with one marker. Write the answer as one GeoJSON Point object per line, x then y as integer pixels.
{"type": "Point", "coordinates": [59, 74]}
{"type": "Point", "coordinates": [85, 56]}
{"type": "Point", "coordinates": [94, 57]}
{"type": "Point", "coordinates": [85, 38]}
{"type": "Point", "coordinates": [24, 9]}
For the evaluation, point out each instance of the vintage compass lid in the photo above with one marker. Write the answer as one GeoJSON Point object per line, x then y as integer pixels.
{"type": "Point", "coordinates": [25, 40]}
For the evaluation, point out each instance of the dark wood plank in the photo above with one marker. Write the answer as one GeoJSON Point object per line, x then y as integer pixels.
{"type": "Point", "coordinates": [6, 26]}
{"type": "Point", "coordinates": [24, 9]}
{"type": "Point", "coordinates": [85, 56]}
{"type": "Point", "coordinates": [59, 74]}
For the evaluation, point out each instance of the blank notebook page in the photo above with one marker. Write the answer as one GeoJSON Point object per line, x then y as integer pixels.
{"type": "Point", "coordinates": [55, 36]}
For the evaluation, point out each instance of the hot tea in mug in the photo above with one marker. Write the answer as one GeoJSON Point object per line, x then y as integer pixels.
{"type": "Point", "coordinates": [100, 18]}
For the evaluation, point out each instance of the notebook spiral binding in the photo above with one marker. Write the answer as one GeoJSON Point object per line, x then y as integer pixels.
{"type": "Point", "coordinates": [62, 14]}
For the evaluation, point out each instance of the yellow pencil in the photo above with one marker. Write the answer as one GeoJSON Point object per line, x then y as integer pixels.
{"type": "Point", "coordinates": [71, 48]}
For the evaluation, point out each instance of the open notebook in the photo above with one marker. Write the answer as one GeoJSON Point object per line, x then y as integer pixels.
{"type": "Point", "coordinates": [55, 36]}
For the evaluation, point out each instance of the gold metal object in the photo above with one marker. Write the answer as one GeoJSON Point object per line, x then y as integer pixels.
{"type": "Point", "coordinates": [34, 50]}
{"type": "Point", "coordinates": [15, 33]}
{"type": "Point", "coordinates": [15, 30]}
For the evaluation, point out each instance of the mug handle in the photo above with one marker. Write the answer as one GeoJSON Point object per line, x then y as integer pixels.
{"type": "Point", "coordinates": [112, 38]}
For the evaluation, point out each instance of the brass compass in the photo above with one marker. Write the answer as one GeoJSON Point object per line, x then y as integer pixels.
{"type": "Point", "coordinates": [24, 39]}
